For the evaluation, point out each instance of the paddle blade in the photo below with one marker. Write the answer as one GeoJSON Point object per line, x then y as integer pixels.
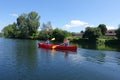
{"type": "Point", "coordinates": [53, 47]}
{"type": "Point", "coordinates": [53, 39]}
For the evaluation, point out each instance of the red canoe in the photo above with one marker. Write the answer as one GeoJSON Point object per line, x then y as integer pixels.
{"type": "Point", "coordinates": [57, 47]}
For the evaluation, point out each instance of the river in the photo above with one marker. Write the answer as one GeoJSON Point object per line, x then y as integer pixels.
{"type": "Point", "coordinates": [23, 60]}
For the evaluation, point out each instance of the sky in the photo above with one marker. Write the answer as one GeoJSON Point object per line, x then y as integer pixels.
{"type": "Point", "coordinates": [70, 15]}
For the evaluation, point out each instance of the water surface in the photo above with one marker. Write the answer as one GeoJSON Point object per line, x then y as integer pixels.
{"type": "Point", "coordinates": [23, 60]}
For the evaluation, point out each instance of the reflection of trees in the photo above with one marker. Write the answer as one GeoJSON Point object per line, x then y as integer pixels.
{"type": "Point", "coordinates": [45, 53]}
{"type": "Point", "coordinates": [26, 55]}
{"type": "Point", "coordinates": [91, 45]}
{"type": "Point", "coordinates": [87, 45]}
{"type": "Point", "coordinates": [66, 54]}
{"type": "Point", "coordinates": [113, 47]}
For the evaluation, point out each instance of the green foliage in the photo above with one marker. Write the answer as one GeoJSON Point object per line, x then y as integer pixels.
{"type": "Point", "coordinates": [113, 41]}
{"type": "Point", "coordinates": [47, 26]}
{"type": "Point", "coordinates": [9, 31]}
{"type": "Point", "coordinates": [23, 26]}
{"type": "Point", "coordinates": [59, 35]}
{"type": "Point", "coordinates": [103, 28]}
{"type": "Point", "coordinates": [44, 34]}
{"type": "Point", "coordinates": [46, 31]}
{"type": "Point", "coordinates": [92, 33]}
{"type": "Point", "coordinates": [108, 37]}
{"type": "Point", "coordinates": [26, 26]}
{"type": "Point", "coordinates": [100, 41]}
{"type": "Point", "coordinates": [118, 33]}
{"type": "Point", "coordinates": [33, 23]}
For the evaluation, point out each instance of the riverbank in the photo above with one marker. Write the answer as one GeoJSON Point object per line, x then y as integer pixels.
{"type": "Point", "coordinates": [100, 44]}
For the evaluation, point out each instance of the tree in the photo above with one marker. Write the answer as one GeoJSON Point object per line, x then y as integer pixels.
{"type": "Point", "coordinates": [82, 31]}
{"type": "Point", "coordinates": [118, 33]}
{"type": "Point", "coordinates": [43, 35]}
{"type": "Point", "coordinates": [46, 31]}
{"type": "Point", "coordinates": [8, 31]}
{"type": "Point", "coordinates": [92, 33]}
{"type": "Point", "coordinates": [47, 26]}
{"type": "Point", "coordinates": [103, 28]}
{"type": "Point", "coordinates": [26, 27]}
{"type": "Point", "coordinates": [59, 34]}
{"type": "Point", "coordinates": [22, 24]}
{"type": "Point", "coordinates": [33, 23]}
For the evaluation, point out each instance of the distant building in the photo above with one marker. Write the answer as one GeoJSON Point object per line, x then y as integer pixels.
{"type": "Point", "coordinates": [110, 33]}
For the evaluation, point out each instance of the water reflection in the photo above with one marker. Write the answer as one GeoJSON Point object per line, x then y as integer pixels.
{"type": "Point", "coordinates": [23, 60]}
{"type": "Point", "coordinates": [26, 50]}
{"type": "Point", "coordinates": [54, 52]}
{"type": "Point", "coordinates": [98, 46]}
{"type": "Point", "coordinates": [26, 57]}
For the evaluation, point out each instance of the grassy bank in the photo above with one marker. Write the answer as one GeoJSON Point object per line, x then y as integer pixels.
{"type": "Point", "coordinates": [105, 40]}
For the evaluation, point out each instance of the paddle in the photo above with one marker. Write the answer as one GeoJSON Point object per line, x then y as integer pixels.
{"type": "Point", "coordinates": [52, 39]}
{"type": "Point", "coordinates": [53, 47]}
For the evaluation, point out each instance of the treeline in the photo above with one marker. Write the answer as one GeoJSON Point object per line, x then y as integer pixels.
{"type": "Point", "coordinates": [97, 35]}
{"type": "Point", "coordinates": [47, 32]}
{"type": "Point", "coordinates": [27, 25]}
{"type": "Point", "coordinates": [92, 33]}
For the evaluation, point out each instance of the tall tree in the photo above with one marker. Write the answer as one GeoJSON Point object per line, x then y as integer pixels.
{"type": "Point", "coordinates": [23, 26]}
{"type": "Point", "coordinates": [47, 26]}
{"type": "Point", "coordinates": [46, 31]}
{"type": "Point", "coordinates": [33, 23]}
{"type": "Point", "coordinates": [103, 28]}
{"type": "Point", "coordinates": [92, 33]}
